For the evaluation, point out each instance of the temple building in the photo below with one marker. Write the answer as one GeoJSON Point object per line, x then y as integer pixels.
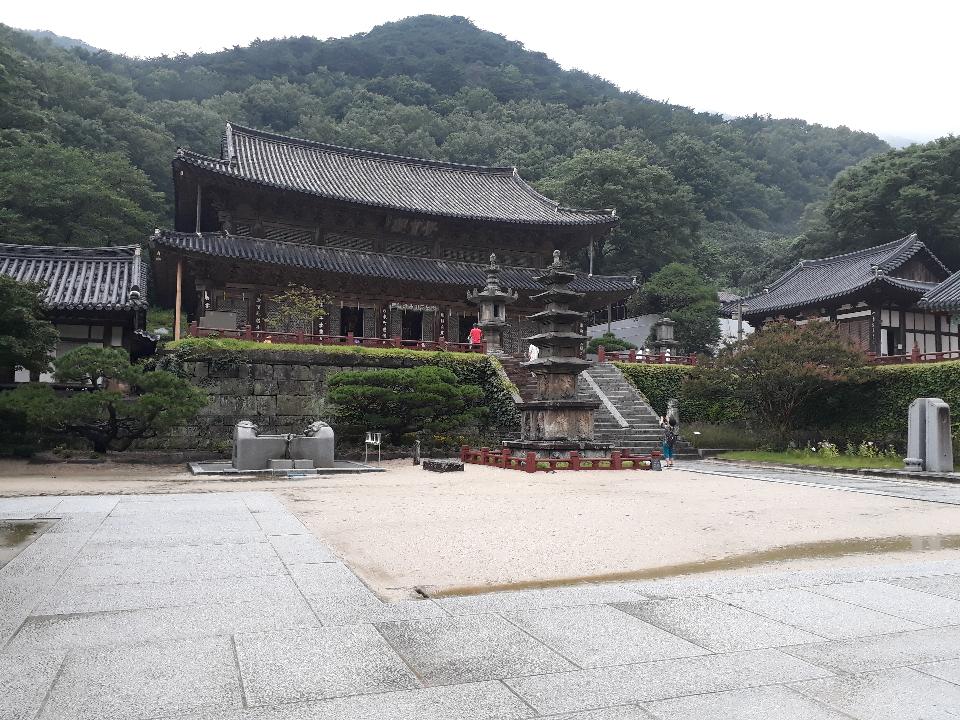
{"type": "Point", "coordinates": [394, 242]}
{"type": "Point", "coordinates": [94, 296]}
{"type": "Point", "coordinates": [892, 300]}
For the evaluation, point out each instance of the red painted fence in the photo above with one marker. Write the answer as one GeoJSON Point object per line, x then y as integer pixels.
{"type": "Point", "coordinates": [914, 357]}
{"type": "Point", "coordinates": [300, 338]}
{"type": "Point", "coordinates": [529, 462]}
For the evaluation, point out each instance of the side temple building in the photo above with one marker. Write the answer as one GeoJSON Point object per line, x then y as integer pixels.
{"type": "Point", "coordinates": [394, 242]}
{"type": "Point", "coordinates": [94, 296]}
{"type": "Point", "coordinates": [892, 299]}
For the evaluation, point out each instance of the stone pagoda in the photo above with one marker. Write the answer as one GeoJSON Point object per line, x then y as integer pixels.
{"type": "Point", "coordinates": [493, 301]}
{"type": "Point", "coordinates": [556, 422]}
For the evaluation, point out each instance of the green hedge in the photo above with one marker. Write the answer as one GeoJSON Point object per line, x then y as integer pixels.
{"type": "Point", "coordinates": [874, 409]}
{"type": "Point", "coordinates": [657, 383]}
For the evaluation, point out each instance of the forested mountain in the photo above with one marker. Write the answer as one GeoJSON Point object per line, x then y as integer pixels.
{"type": "Point", "coordinates": [87, 138]}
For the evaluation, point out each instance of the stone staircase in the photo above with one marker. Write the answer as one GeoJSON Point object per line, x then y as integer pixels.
{"type": "Point", "coordinates": [642, 432]}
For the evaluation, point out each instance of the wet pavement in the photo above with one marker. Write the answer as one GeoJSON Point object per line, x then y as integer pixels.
{"type": "Point", "coordinates": [928, 491]}
{"type": "Point", "coordinates": [219, 606]}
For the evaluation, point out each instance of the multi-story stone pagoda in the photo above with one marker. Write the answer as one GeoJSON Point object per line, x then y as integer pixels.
{"type": "Point", "coordinates": [492, 301]}
{"type": "Point", "coordinates": [556, 422]}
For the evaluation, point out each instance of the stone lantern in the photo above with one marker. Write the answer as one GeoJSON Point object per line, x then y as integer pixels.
{"type": "Point", "coordinates": [663, 336]}
{"type": "Point", "coordinates": [493, 301]}
{"type": "Point", "coordinates": [556, 422]}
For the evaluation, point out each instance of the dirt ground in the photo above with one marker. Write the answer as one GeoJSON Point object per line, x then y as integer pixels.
{"type": "Point", "coordinates": [489, 529]}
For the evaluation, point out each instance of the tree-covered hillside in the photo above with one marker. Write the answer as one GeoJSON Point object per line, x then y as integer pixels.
{"type": "Point", "coordinates": [87, 138]}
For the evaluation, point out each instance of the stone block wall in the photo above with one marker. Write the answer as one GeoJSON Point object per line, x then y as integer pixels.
{"type": "Point", "coordinates": [282, 391]}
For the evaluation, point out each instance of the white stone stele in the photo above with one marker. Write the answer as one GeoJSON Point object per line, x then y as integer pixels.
{"type": "Point", "coordinates": [929, 441]}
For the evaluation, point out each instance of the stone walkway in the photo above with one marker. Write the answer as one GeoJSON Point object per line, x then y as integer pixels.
{"type": "Point", "coordinates": [928, 491]}
{"type": "Point", "coordinates": [222, 606]}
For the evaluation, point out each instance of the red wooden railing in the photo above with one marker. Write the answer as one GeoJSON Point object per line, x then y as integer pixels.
{"type": "Point", "coordinates": [633, 356]}
{"type": "Point", "coordinates": [301, 338]}
{"type": "Point", "coordinates": [914, 357]}
{"type": "Point", "coordinates": [529, 462]}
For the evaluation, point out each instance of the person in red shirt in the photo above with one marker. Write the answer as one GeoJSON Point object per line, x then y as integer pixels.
{"type": "Point", "coordinates": [476, 335]}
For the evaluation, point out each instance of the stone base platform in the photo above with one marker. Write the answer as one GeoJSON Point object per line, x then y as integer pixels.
{"type": "Point", "coordinates": [434, 465]}
{"type": "Point", "coordinates": [340, 467]}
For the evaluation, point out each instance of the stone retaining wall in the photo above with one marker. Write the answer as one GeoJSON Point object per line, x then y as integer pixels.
{"type": "Point", "coordinates": [283, 391]}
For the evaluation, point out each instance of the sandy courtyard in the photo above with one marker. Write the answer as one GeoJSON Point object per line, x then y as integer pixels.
{"type": "Point", "coordinates": [488, 529]}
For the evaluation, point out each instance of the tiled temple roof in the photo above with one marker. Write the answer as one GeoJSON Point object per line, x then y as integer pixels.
{"type": "Point", "coordinates": [943, 297]}
{"type": "Point", "coordinates": [371, 264]}
{"type": "Point", "coordinates": [102, 278]}
{"type": "Point", "coordinates": [390, 181]}
{"type": "Point", "coordinates": [812, 282]}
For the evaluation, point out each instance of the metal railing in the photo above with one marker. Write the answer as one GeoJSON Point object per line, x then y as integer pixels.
{"type": "Point", "coordinates": [301, 338]}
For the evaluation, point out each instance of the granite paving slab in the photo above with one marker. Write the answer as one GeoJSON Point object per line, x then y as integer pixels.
{"type": "Point", "coordinates": [136, 682]}
{"type": "Point", "coordinates": [86, 504]}
{"type": "Point", "coordinates": [324, 580]}
{"type": "Point", "coordinates": [947, 586]}
{"type": "Point", "coordinates": [773, 702]}
{"type": "Point", "coordinates": [719, 583]}
{"type": "Point", "coordinates": [899, 694]}
{"type": "Point", "coordinates": [340, 610]}
{"type": "Point", "coordinates": [296, 665]}
{"type": "Point", "coordinates": [470, 648]}
{"type": "Point", "coordinates": [948, 670]}
{"type": "Point", "coordinates": [597, 594]}
{"type": "Point", "coordinates": [913, 605]}
{"type": "Point", "coordinates": [258, 502]}
{"type": "Point", "coordinates": [25, 679]}
{"type": "Point", "coordinates": [630, 684]}
{"type": "Point", "coordinates": [599, 635]}
{"type": "Point", "coordinates": [26, 507]}
{"type": "Point", "coordinates": [270, 590]}
{"type": "Point", "coordinates": [301, 549]}
{"type": "Point", "coordinates": [280, 523]}
{"type": "Point", "coordinates": [818, 614]}
{"type": "Point", "coordinates": [44, 632]}
{"type": "Point", "coordinates": [905, 489]}
{"type": "Point", "coordinates": [883, 651]}
{"type": "Point", "coordinates": [472, 701]}
{"type": "Point", "coordinates": [623, 712]}
{"type": "Point", "coordinates": [715, 625]}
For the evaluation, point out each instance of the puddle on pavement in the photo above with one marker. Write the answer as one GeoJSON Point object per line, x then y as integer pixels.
{"type": "Point", "coordinates": [800, 551]}
{"type": "Point", "coordinates": [15, 535]}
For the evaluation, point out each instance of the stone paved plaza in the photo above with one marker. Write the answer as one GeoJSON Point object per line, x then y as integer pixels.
{"type": "Point", "coordinates": [217, 606]}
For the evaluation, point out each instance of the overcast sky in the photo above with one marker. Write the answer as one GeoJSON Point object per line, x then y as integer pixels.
{"type": "Point", "coordinates": [890, 68]}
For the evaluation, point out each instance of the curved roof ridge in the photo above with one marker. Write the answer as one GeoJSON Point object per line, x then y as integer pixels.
{"type": "Point", "coordinates": [893, 246]}
{"type": "Point", "coordinates": [111, 251]}
{"type": "Point", "coordinates": [537, 195]}
{"type": "Point", "coordinates": [373, 154]}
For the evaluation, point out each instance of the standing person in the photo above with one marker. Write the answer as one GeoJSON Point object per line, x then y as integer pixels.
{"type": "Point", "coordinates": [476, 335]}
{"type": "Point", "coordinates": [670, 436]}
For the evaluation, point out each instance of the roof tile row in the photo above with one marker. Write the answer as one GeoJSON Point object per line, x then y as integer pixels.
{"type": "Point", "coordinates": [370, 264]}
{"type": "Point", "coordinates": [102, 278]}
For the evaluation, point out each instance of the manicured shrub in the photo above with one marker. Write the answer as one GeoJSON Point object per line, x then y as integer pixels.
{"type": "Point", "coordinates": [610, 342]}
{"type": "Point", "coordinates": [423, 403]}
{"type": "Point", "coordinates": [657, 383]}
{"type": "Point", "coordinates": [115, 404]}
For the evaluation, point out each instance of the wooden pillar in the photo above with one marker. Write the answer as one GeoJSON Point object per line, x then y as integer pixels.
{"type": "Point", "coordinates": [179, 299]}
{"type": "Point", "coordinates": [199, 198]}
